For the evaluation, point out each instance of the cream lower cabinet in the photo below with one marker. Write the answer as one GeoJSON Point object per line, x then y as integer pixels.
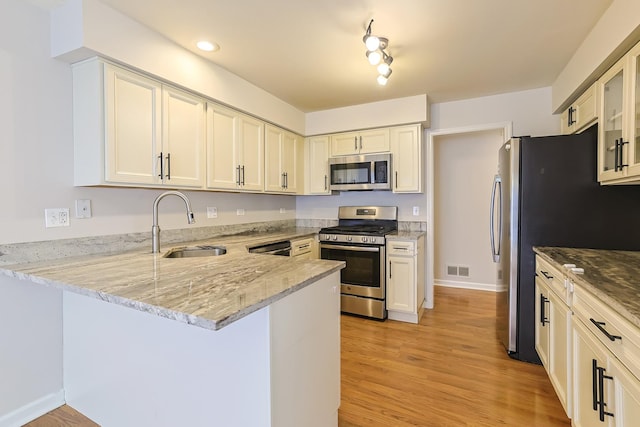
{"type": "Point", "coordinates": [316, 169]}
{"type": "Point", "coordinates": [606, 365]}
{"type": "Point", "coordinates": [235, 150]}
{"type": "Point", "coordinates": [405, 279]}
{"type": "Point", "coordinates": [131, 130]}
{"type": "Point", "coordinates": [553, 329]}
{"type": "Point", "coordinates": [283, 161]}
{"type": "Point", "coordinates": [406, 159]}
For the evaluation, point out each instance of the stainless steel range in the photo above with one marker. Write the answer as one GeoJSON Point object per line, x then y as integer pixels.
{"type": "Point", "coordinates": [359, 240]}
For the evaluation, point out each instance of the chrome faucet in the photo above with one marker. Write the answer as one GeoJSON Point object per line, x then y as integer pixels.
{"type": "Point", "coordinates": [155, 229]}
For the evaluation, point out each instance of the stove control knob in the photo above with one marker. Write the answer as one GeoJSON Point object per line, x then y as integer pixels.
{"type": "Point", "coordinates": [364, 240]}
{"type": "Point", "coordinates": [372, 240]}
{"type": "Point", "coordinates": [334, 237]}
{"type": "Point", "coordinates": [349, 238]}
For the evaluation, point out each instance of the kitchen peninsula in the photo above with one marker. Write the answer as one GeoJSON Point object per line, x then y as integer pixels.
{"type": "Point", "coordinates": [236, 339]}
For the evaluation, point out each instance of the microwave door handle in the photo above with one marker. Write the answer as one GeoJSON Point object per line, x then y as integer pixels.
{"type": "Point", "coordinates": [497, 183]}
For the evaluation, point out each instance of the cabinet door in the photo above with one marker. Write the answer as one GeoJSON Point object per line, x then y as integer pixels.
{"type": "Point", "coordinates": [251, 134]}
{"type": "Point", "coordinates": [586, 109]}
{"type": "Point", "coordinates": [317, 165]}
{"type": "Point", "coordinates": [344, 144]}
{"type": "Point", "coordinates": [373, 141]}
{"type": "Point", "coordinates": [627, 395]}
{"type": "Point", "coordinates": [401, 284]}
{"type": "Point", "coordinates": [612, 115]}
{"type": "Point", "coordinates": [291, 150]}
{"type": "Point", "coordinates": [560, 350]}
{"type": "Point", "coordinates": [542, 319]}
{"type": "Point", "coordinates": [588, 356]}
{"type": "Point", "coordinates": [183, 139]}
{"type": "Point", "coordinates": [222, 148]}
{"type": "Point", "coordinates": [406, 150]}
{"type": "Point", "coordinates": [273, 148]}
{"type": "Point", "coordinates": [633, 128]}
{"type": "Point", "coordinates": [132, 127]}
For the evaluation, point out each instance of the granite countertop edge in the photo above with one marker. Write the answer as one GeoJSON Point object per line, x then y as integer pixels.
{"type": "Point", "coordinates": [67, 274]}
{"type": "Point", "coordinates": [607, 279]}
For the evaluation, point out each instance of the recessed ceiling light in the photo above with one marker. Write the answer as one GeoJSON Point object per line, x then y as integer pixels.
{"type": "Point", "coordinates": [207, 46]}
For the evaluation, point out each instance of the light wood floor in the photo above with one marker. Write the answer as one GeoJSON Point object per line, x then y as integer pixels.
{"type": "Point", "coordinates": [447, 371]}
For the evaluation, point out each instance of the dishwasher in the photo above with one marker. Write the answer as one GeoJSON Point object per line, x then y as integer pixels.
{"type": "Point", "coordinates": [282, 248]}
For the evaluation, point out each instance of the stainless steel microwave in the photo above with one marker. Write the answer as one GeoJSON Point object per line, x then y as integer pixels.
{"type": "Point", "coordinates": [364, 172]}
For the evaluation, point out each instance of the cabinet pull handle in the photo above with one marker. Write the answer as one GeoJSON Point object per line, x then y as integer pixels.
{"type": "Point", "coordinates": [546, 274]}
{"type": "Point", "coordinates": [571, 119]}
{"type": "Point", "coordinates": [389, 269]}
{"type": "Point", "coordinates": [594, 383]}
{"type": "Point", "coordinates": [242, 170]}
{"type": "Point", "coordinates": [622, 142]}
{"type": "Point", "coordinates": [355, 142]}
{"type": "Point", "coordinates": [169, 166]}
{"type": "Point", "coordinates": [616, 155]}
{"type": "Point", "coordinates": [601, 325]}
{"type": "Point", "coordinates": [161, 158]}
{"type": "Point", "coordinates": [543, 311]}
{"type": "Point", "coordinates": [396, 179]}
{"type": "Point", "coordinates": [238, 175]}
{"type": "Point", "coordinates": [325, 183]}
{"type": "Point", "coordinates": [361, 143]}
{"type": "Point", "coordinates": [601, 402]}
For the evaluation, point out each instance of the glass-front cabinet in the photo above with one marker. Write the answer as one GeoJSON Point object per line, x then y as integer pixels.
{"type": "Point", "coordinates": [619, 131]}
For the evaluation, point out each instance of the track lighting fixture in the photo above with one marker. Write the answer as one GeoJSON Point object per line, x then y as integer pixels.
{"type": "Point", "coordinates": [376, 54]}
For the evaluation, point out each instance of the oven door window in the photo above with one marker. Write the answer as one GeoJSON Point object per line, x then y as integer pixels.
{"type": "Point", "coordinates": [363, 268]}
{"type": "Point", "coordinates": [351, 173]}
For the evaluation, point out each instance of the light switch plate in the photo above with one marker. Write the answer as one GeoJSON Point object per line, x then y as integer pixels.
{"type": "Point", "coordinates": [416, 210]}
{"type": "Point", "coordinates": [240, 212]}
{"type": "Point", "coordinates": [212, 212]}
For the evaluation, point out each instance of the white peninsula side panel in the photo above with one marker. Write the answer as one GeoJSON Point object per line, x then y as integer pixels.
{"type": "Point", "coordinates": [124, 367]}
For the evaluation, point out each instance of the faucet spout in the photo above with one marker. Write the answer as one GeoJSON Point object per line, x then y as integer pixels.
{"type": "Point", "coordinates": [155, 228]}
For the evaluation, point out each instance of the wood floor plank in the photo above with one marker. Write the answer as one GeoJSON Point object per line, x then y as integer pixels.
{"type": "Point", "coordinates": [449, 370]}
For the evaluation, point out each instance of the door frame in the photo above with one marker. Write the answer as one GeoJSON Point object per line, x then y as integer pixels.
{"type": "Point", "coordinates": [507, 131]}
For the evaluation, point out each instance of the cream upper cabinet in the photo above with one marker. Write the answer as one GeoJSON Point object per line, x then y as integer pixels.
{"type": "Point", "coordinates": [582, 113]}
{"type": "Point", "coordinates": [364, 142]}
{"type": "Point", "coordinates": [235, 153]}
{"type": "Point", "coordinates": [406, 159]}
{"type": "Point", "coordinates": [405, 279]}
{"type": "Point", "coordinates": [130, 130]}
{"type": "Point", "coordinates": [317, 165]}
{"type": "Point", "coordinates": [619, 131]}
{"type": "Point", "coordinates": [183, 139]}
{"type": "Point", "coordinates": [283, 160]}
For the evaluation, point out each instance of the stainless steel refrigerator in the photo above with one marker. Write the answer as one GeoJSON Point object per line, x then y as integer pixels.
{"type": "Point", "coordinates": [546, 194]}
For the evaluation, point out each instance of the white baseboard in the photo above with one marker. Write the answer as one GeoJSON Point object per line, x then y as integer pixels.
{"type": "Point", "coordinates": [492, 287]}
{"type": "Point", "coordinates": [33, 410]}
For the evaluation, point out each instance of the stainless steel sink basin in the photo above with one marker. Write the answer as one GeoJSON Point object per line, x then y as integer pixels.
{"type": "Point", "coordinates": [195, 251]}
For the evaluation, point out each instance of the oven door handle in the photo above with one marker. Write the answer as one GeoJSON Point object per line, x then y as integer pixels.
{"type": "Point", "coordinates": [352, 248]}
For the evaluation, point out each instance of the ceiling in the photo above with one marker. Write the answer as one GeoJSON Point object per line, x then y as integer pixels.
{"type": "Point", "coordinates": [310, 53]}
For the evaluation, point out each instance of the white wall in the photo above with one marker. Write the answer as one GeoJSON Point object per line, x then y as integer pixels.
{"type": "Point", "coordinates": [464, 168]}
{"type": "Point", "coordinates": [36, 152]}
{"type": "Point", "coordinates": [31, 351]}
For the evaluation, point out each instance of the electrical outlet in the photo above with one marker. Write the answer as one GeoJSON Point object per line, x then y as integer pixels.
{"type": "Point", "coordinates": [416, 210]}
{"type": "Point", "coordinates": [83, 208]}
{"type": "Point", "coordinates": [212, 212]}
{"type": "Point", "coordinates": [283, 210]}
{"type": "Point", "coordinates": [56, 217]}
{"type": "Point", "coordinates": [239, 212]}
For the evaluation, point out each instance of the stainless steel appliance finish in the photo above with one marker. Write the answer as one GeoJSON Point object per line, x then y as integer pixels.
{"type": "Point", "coordinates": [546, 194]}
{"type": "Point", "coordinates": [363, 172]}
{"type": "Point", "coordinates": [359, 241]}
{"type": "Point", "coordinates": [282, 248]}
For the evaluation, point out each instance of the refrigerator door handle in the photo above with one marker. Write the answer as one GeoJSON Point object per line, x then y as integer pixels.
{"type": "Point", "coordinates": [497, 189]}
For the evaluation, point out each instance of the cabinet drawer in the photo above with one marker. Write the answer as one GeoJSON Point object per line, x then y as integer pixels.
{"type": "Point", "coordinates": [553, 278]}
{"type": "Point", "coordinates": [617, 334]}
{"type": "Point", "coordinates": [401, 248]}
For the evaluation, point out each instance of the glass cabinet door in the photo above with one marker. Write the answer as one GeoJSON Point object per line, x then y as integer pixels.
{"type": "Point", "coordinates": [613, 109]}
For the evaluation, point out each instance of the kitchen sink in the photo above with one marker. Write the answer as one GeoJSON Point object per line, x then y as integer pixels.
{"type": "Point", "coordinates": [195, 251]}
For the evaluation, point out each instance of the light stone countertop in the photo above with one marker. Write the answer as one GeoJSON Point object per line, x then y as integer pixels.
{"type": "Point", "coordinates": [612, 276]}
{"type": "Point", "coordinates": [209, 292]}
{"type": "Point", "coordinates": [405, 235]}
